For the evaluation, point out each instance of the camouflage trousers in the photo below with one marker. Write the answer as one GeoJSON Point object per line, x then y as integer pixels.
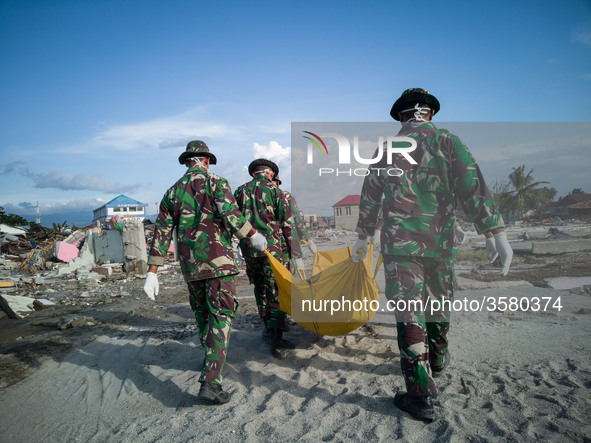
{"type": "Point", "coordinates": [214, 304]}
{"type": "Point", "coordinates": [414, 283]}
{"type": "Point", "coordinates": [266, 292]}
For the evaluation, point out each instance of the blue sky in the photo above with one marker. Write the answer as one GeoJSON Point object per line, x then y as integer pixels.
{"type": "Point", "coordinates": [99, 98]}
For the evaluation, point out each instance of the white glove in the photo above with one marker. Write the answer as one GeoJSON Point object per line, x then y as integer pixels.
{"type": "Point", "coordinates": [375, 239]}
{"type": "Point", "coordinates": [313, 247]}
{"type": "Point", "coordinates": [151, 286]}
{"type": "Point", "coordinates": [360, 250]}
{"type": "Point", "coordinates": [491, 249]}
{"type": "Point", "coordinates": [299, 264]}
{"type": "Point", "coordinates": [258, 241]}
{"type": "Point", "coordinates": [504, 250]}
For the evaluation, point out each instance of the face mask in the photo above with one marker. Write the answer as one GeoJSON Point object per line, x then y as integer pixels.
{"type": "Point", "coordinates": [198, 162]}
{"type": "Point", "coordinates": [419, 112]}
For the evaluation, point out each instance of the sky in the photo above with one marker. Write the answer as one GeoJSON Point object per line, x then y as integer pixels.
{"type": "Point", "coordinates": [99, 98]}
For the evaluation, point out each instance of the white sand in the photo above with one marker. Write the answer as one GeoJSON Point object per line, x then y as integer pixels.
{"type": "Point", "coordinates": [528, 378]}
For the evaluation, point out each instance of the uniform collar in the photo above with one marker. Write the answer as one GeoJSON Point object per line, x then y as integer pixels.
{"type": "Point", "coordinates": [411, 126]}
{"type": "Point", "coordinates": [261, 177]}
{"type": "Point", "coordinates": [196, 169]}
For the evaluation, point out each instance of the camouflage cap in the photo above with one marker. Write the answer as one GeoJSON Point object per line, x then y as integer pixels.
{"type": "Point", "coordinates": [412, 96]}
{"type": "Point", "coordinates": [262, 162]}
{"type": "Point", "coordinates": [197, 148]}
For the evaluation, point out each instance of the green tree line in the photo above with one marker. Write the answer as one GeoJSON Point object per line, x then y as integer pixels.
{"type": "Point", "coordinates": [522, 193]}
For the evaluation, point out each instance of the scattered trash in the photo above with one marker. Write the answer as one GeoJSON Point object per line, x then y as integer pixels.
{"type": "Point", "coordinates": [463, 383]}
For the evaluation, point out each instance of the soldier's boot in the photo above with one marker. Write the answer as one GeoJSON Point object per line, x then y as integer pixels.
{"type": "Point", "coordinates": [438, 370]}
{"type": "Point", "coordinates": [213, 393]}
{"type": "Point", "coordinates": [266, 334]}
{"type": "Point", "coordinates": [419, 407]}
{"type": "Point", "coordinates": [280, 348]}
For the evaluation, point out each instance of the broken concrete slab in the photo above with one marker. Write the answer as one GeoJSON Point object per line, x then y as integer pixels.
{"type": "Point", "coordinates": [108, 247]}
{"type": "Point", "coordinates": [86, 257]}
{"type": "Point", "coordinates": [134, 248]}
{"type": "Point", "coordinates": [565, 283]}
{"type": "Point", "coordinates": [466, 283]}
{"type": "Point", "coordinates": [16, 306]}
{"type": "Point", "coordinates": [561, 246]}
{"type": "Point", "coordinates": [75, 237]}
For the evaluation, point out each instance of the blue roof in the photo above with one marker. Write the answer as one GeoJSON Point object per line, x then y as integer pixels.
{"type": "Point", "coordinates": [123, 200]}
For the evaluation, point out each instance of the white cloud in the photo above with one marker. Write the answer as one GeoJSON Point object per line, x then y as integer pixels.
{"type": "Point", "coordinates": [78, 205]}
{"type": "Point", "coordinates": [273, 151]}
{"type": "Point", "coordinates": [67, 181]}
{"type": "Point", "coordinates": [165, 132]}
{"type": "Point", "coordinates": [278, 154]}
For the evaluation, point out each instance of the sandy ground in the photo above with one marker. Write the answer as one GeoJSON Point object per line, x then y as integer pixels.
{"type": "Point", "coordinates": [130, 373]}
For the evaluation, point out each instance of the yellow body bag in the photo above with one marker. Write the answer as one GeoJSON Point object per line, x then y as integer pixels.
{"type": "Point", "coordinates": [340, 296]}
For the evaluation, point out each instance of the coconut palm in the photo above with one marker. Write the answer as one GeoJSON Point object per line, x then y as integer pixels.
{"type": "Point", "coordinates": [502, 196]}
{"type": "Point", "coordinates": [525, 194]}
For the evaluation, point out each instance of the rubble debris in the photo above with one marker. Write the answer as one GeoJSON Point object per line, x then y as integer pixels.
{"type": "Point", "coordinates": [554, 233]}
{"type": "Point", "coordinates": [103, 270]}
{"type": "Point", "coordinates": [15, 306]}
{"type": "Point", "coordinates": [35, 260]}
{"type": "Point", "coordinates": [64, 251]}
{"type": "Point", "coordinates": [74, 321]}
{"type": "Point", "coordinates": [11, 230]}
{"type": "Point", "coordinates": [42, 303]}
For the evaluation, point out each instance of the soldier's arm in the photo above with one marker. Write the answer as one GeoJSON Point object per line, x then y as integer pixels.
{"type": "Point", "coordinates": [162, 232]}
{"type": "Point", "coordinates": [472, 191]}
{"type": "Point", "coordinates": [286, 219]}
{"type": "Point", "coordinates": [369, 206]}
{"type": "Point", "coordinates": [229, 211]}
{"type": "Point", "coordinates": [298, 220]}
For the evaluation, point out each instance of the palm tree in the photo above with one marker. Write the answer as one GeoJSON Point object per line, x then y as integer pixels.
{"type": "Point", "coordinates": [524, 195]}
{"type": "Point", "coordinates": [502, 196]}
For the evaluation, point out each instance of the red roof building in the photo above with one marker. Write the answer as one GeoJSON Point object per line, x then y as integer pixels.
{"type": "Point", "coordinates": [349, 200]}
{"type": "Point", "coordinates": [346, 212]}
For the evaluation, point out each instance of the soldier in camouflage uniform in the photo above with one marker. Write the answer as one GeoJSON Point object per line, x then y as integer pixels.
{"type": "Point", "coordinates": [299, 223]}
{"type": "Point", "coordinates": [202, 208]}
{"type": "Point", "coordinates": [417, 238]}
{"type": "Point", "coordinates": [267, 209]}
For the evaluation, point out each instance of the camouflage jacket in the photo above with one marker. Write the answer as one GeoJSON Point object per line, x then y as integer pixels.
{"type": "Point", "coordinates": [267, 209]}
{"type": "Point", "coordinates": [202, 207]}
{"type": "Point", "coordinates": [297, 217]}
{"type": "Point", "coordinates": [300, 227]}
{"type": "Point", "coordinates": [419, 205]}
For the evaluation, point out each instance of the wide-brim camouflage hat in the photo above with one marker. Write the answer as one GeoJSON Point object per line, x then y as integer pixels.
{"type": "Point", "coordinates": [413, 96]}
{"type": "Point", "coordinates": [197, 148]}
{"type": "Point", "coordinates": [277, 180]}
{"type": "Point", "coordinates": [262, 162]}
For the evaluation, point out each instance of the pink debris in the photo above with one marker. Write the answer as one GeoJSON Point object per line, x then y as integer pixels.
{"type": "Point", "coordinates": [66, 251]}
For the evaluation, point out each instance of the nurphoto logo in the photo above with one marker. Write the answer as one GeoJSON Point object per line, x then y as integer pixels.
{"type": "Point", "coordinates": [391, 145]}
